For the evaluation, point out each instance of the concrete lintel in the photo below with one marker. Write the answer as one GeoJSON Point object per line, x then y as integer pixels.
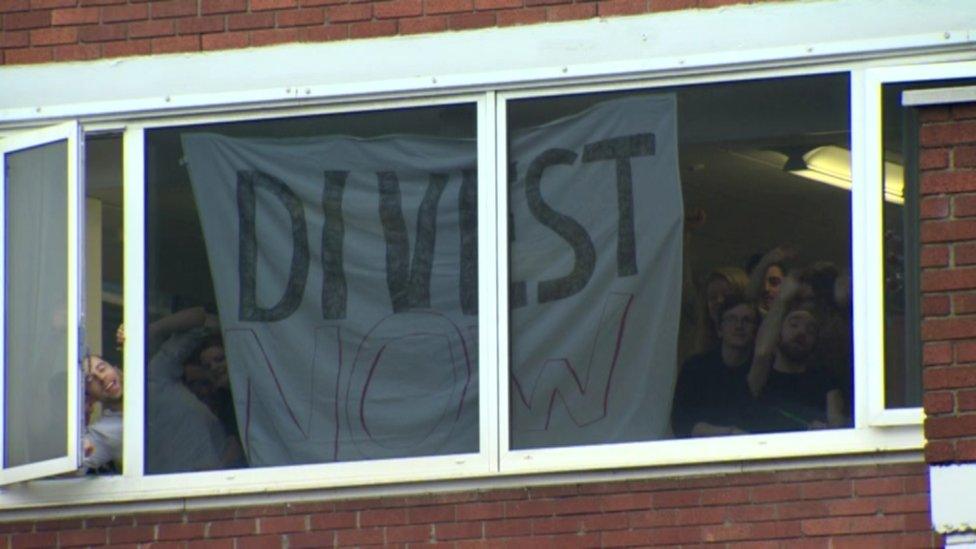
{"type": "Point", "coordinates": [939, 96]}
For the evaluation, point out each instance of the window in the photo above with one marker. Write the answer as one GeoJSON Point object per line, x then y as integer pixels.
{"type": "Point", "coordinates": [903, 248]}
{"type": "Point", "coordinates": [481, 284]}
{"type": "Point", "coordinates": [40, 419]}
{"type": "Point", "coordinates": [339, 255]}
{"type": "Point", "coordinates": [895, 165]}
{"type": "Point", "coordinates": [639, 222]}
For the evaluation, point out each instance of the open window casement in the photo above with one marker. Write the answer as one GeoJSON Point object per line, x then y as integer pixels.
{"type": "Point", "coordinates": [41, 225]}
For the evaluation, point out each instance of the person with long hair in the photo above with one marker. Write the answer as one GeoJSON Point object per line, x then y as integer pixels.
{"type": "Point", "coordinates": [721, 285]}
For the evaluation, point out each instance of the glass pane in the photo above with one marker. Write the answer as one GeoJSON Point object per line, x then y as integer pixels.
{"type": "Point", "coordinates": [339, 256]}
{"type": "Point", "coordinates": [102, 438]}
{"type": "Point", "coordinates": [650, 234]}
{"type": "Point", "coordinates": [903, 250]}
{"type": "Point", "coordinates": [35, 339]}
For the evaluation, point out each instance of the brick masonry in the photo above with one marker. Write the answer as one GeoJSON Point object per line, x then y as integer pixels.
{"type": "Point", "coordinates": [857, 507]}
{"type": "Point", "coordinates": [869, 506]}
{"type": "Point", "coordinates": [41, 31]}
{"type": "Point", "coordinates": [948, 177]}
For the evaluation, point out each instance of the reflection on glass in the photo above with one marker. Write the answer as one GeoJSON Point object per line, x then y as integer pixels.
{"type": "Point", "coordinates": [902, 356]}
{"type": "Point", "coordinates": [36, 297]}
{"type": "Point", "coordinates": [313, 290]}
{"type": "Point", "coordinates": [902, 246]}
{"type": "Point", "coordinates": [680, 262]}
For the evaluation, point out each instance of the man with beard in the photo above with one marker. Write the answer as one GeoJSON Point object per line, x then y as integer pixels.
{"type": "Point", "coordinates": [712, 397]}
{"type": "Point", "coordinates": [794, 393]}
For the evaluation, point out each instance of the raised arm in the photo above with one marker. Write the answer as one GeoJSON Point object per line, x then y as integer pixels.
{"type": "Point", "coordinates": [768, 336]}
{"type": "Point", "coordinates": [183, 331]}
{"type": "Point", "coordinates": [180, 321]}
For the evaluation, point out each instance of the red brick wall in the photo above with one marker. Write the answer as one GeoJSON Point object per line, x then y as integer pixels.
{"type": "Point", "coordinates": [857, 507]}
{"type": "Point", "coordinates": [871, 506]}
{"type": "Point", "coordinates": [948, 164]}
{"type": "Point", "coordinates": [40, 31]}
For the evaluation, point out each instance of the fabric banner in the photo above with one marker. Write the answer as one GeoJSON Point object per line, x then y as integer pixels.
{"type": "Point", "coordinates": [596, 275]}
{"type": "Point", "coordinates": [345, 273]}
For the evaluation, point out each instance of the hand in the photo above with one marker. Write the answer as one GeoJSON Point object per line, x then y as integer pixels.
{"type": "Point", "coordinates": [780, 254]}
{"type": "Point", "coordinates": [87, 446]}
{"type": "Point", "coordinates": [790, 287]}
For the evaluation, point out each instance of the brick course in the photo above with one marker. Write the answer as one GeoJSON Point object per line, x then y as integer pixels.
{"type": "Point", "coordinates": [874, 505]}
{"type": "Point", "coordinates": [884, 505]}
{"type": "Point", "coordinates": [948, 278]}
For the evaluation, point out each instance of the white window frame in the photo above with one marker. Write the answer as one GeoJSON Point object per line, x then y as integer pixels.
{"type": "Point", "coordinates": [878, 436]}
{"type": "Point", "coordinates": [872, 84]}
{"type": "Point", "coordinates": [866, 201]}
{"type": "Point", "coordinates": [494, 458]}
{"type": "Point", "coordinates": [70, 133]}
{"type": "Point", "coordinates": [429, 467]}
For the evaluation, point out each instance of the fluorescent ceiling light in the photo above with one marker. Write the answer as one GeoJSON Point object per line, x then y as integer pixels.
{"type": "Point", "coordinates": [830, 165]}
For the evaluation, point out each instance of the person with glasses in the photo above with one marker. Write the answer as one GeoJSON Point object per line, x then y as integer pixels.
{"type": "Point", "coordinates": [712, 397]}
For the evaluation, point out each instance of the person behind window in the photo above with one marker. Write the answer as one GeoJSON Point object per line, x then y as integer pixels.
{"type": "Point", "coordinates": [721, 284]}
{"type": "Point", "coordinates": [712, 396]}
{"type": "Point", "coordinates": [197, 379]}
{"type": "Point", "coordinates": [766, 274]}
{"type": "Point", "coordinates": [102, 441]}
{"type": "Point", "coordinates": [830, 291]}
{"type": "Point", "coordinates": [183, 434]}
{"type": "Point", "coordinates": [207, 377]}
{"type": "Point", "coordinates": [793, 392]}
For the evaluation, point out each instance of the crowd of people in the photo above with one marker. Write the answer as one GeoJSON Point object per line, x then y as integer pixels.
{"type": "Point", "coordinates": [190, 419]}
{"type": "Point", "coordinates": [773, 351]}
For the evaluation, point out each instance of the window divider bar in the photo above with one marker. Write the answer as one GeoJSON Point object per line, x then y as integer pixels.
{"type": "Point", "coordinates": [76, 289]}
{"type": "Point", "coordinates": [501, 253]}
{"type": "Point", "coordinates": [867, 244]}
{"type": "Point", "coordinates": [488, 295]}
{"type": "Point", "coordinates": [3, 299]}
{"type": "Point", "coordinates": [134, 292]}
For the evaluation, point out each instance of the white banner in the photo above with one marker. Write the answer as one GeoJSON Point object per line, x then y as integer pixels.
{"type": "Point", "coordinates": [345, 272]}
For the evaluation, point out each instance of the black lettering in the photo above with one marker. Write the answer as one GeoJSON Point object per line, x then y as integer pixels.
{"type": "Point", "coordinates": [247, 181]}
{"type": "Point", "coordinates": [468, 208]}
{"type": "Point", "coordinates": [622, 149]}
{"type": "Point", "coordinates": [566, 227]}
{"type": "Point", "coordinates": [334, 291]}
{"type": "Point", "coordinates": [409, 288]}
{"type": "Point", "coordinates": [517, 292]}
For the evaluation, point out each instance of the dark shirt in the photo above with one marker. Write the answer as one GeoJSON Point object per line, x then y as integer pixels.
{"type": "Point", "coordinates": [709, 391]}
{"type": "Point", "coordinates": [790, 401]}
{"type": "Point", "coordinates": [222, 405]}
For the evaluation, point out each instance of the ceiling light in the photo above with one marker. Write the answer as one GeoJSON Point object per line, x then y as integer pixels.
{"type": "Point", "coordinates": [832, 165]}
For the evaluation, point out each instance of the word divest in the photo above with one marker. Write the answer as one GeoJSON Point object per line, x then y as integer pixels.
{"type": "Point", "coordinates": [347, 276]}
